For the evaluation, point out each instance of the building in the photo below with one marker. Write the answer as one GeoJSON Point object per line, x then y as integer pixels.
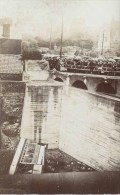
{"type": "Point", "coordinates": [5, 24]}
{"type": "Point", "coordinates": [115, 35]}
{"type": "Point", "coordinates": [109, 38]}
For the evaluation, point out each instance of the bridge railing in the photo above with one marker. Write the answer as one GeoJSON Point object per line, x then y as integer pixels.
{"type": "Point", "coordinates": [105, 70]}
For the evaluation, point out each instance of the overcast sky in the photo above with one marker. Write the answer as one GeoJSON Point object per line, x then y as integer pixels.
{"type": "Point", "coordinates": [35, 17]}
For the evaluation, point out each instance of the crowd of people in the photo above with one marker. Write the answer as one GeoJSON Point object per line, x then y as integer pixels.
{"type": "Point", "coordinates": [54, 63]}
{"type": "Point", "coordinates": [85, 65]}
{"type": "Point", "coordinates": [93, 66]}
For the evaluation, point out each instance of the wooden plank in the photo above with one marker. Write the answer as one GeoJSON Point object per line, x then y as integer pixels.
{"type": "Point", "coordinates": [17, 156]}
{"type": "Point", "coordinates": [37, 169]}
{"type": "Point", "coordinates": [41, 155]}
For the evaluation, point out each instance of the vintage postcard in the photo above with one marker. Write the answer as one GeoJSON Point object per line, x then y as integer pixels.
{"type": "Point", "coordinates": [59, 96]}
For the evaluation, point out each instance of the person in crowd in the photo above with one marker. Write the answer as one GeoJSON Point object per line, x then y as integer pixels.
{"type": "Point", "coordinates": [58, 64]}
{"type": "Point", "coordinates": [99, 65]}
{"type": "Point", "coordinates": [50, 63]}
{"type": "Point", "coordinates": [91, 65]}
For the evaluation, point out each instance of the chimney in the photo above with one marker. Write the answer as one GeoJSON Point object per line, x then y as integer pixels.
{"type": "Point", "coordinates": [6, 30]}
{"type": "Point", "coordinates": [6, 24]}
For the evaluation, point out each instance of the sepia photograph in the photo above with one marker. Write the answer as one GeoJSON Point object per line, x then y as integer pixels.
{"type": "Point", "coordinates": [59, 97]}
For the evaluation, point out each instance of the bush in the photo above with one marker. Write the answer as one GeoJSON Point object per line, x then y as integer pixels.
{"type": "Point", "coordinates": [31, 55]}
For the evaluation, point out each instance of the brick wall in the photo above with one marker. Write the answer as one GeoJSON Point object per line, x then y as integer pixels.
{"type": "Point", "coordinates": [11, 76]}
{"type": "Point", "coordinates": [12, 87]}
{"type": "Point", "coordinates": [10, 64]}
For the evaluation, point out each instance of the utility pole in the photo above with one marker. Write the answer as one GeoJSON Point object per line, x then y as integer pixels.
{"type": "Point", "coordinates": [50, 46]}
{"type": "Point", "coordinates": [61, 41]}
{"type": "Point", "coordinates": [102, 44]}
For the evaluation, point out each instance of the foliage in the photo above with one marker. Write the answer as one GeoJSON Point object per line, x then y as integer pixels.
{"type": "Point", "coordinates": [30, 46]}
{"type": "Point", "coordinates": [87, 44]}
{"type": "Point", "coordinates": [30, 50]}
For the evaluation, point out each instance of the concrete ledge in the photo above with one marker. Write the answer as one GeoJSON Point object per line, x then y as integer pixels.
{"type": "Point", "coordinates": [88, 75]}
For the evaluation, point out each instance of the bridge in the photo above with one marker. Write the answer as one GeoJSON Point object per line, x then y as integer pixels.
{"type": "Point", "coordinates": [106, 84]}
{"type": "Point", "coordinates": [90, 82]}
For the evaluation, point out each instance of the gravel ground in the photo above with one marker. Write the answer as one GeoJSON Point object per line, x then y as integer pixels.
{"type": "Point", "coordinates": [6, 157]}
{"type": "Point", "coordinates": [11, 104]}
{"type": "Point", "coordinates": [57, 161]}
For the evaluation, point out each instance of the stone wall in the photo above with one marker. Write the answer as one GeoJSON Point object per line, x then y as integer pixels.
{"type": "Point", "coordinates": [11, 87]}
{"type": "Point", "coordinates": [10, 64]}
{"type": "Point", "coordinates": [11, 77]}
{"type": "Point", "coordinates": [90, 129]}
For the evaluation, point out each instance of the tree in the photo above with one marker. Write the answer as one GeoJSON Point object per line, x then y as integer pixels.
{"type": "Point", "coordinates": [30, 50]}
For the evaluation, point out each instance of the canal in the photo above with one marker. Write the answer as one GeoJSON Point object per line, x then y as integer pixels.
{"type": "Point", "coordinates": [84, 125]}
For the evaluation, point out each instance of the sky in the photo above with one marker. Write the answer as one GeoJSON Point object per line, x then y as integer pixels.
{"type": "Point", "coordinates": [35, 17]}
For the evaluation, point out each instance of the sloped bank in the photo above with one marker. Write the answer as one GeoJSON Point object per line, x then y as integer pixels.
{"type": "Point", "coordinates": [11, 98]}
{"type": "Point", "coordinates": [11, 105]}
